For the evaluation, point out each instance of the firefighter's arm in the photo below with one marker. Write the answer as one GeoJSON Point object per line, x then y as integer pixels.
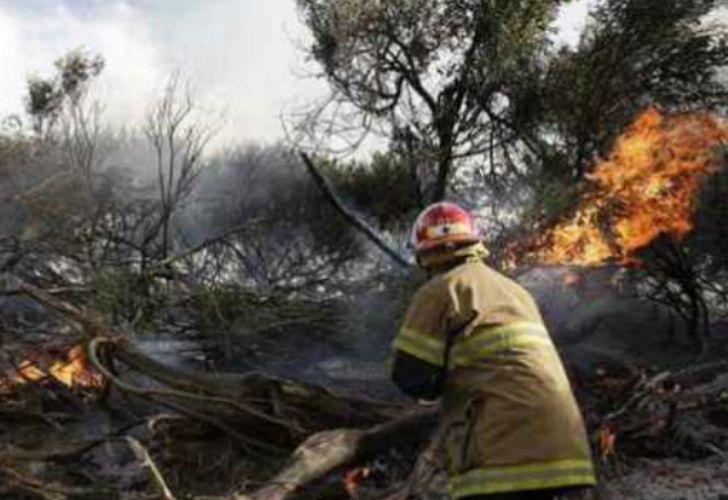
{"type": "Point", "coordinates": [415, 377]}
{"type": "Point", "coordinates": [417, 361]}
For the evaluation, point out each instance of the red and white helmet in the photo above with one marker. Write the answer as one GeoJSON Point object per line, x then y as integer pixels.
{"type": "Point", "coordinates": [443, 223]}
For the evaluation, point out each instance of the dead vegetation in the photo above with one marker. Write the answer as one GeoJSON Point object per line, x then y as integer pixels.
{"type": "Point", "coordinates": [174, 433]}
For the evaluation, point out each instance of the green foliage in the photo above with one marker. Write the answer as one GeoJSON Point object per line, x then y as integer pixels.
{"type": "Point", "coordinates": [555, 200]}
{"type": "Point", "coordinates": [465, 85]}
{"type": "Point", "coordinates": [219, 309]}
{"type": "Point", "coordinates": [217, 306]}
{"type": "Point", "coordinates": [75, 71]}
{"type": "Point", "coordinates": [47, 97]}
{"type": "Point", "coordinates": [44, 100]}
{"type": "Point", "coordinates": [384, 188]}
{"type": "Point", "coordinates": [441, 74]}
{"type": "Point", "coordinates": [124, 295]}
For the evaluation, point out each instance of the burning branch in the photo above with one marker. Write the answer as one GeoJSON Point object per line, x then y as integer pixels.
{"type": "Point", "coordinates": [645, 187]}
{"type": "Point", "coordinates": [324, 435]}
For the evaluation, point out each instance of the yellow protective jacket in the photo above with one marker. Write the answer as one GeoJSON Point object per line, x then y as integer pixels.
{"type": "Point", "coordinates": [510, 421]}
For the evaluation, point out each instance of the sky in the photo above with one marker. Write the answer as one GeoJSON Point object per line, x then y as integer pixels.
{"type": "Point", "coordinates": [243, 58]}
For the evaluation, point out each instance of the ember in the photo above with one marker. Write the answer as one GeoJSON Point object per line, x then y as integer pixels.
{"type": "Point", "coordinates": [571, 279]}
{"type": "Point", "coordinates": [644, 188]}
{"type": "Point", "coordinates": [607, 441]}
{"type": "Point", "coordinates": [353, 479]}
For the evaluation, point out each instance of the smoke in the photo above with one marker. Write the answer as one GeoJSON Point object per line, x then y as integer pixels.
{"type": "Point", "coordinates": [572, 19]}
{"type": "Point", "coordinates": [249, 182]}
{"type": "Point", "coordinates": [598, 322]}
{"type": "Point", "coordinates": [30, 41]}
{"type": "Point", "coordinates": [241, 57]}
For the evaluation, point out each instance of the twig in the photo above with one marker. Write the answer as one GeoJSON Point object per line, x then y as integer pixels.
{"type": "Point", "coordinates": [143, 456]}
{"type": "Point", "coordinates": [645, 389]}
{"type": "Point", "coordinates": [202, 245]}
{"type": "Point", "coordinates": [82, 323]}
{"type": "Point", "coordinates": [363, 227]}
{"type": "Point", "coordinates": [9, 292]}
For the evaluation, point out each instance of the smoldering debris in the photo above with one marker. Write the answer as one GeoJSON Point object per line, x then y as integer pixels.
{"type": "Point", "coordinates": [193, 434]}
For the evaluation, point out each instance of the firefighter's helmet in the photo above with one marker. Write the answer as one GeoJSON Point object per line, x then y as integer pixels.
{"type": "Point", "coordinates": [443, 224]}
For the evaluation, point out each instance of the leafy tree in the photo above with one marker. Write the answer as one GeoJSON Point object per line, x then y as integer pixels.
{"type": "Point", "coordinates": [441, 77]}
{"type": "Point", "coordinates": [479, 99]}
{"type": "Point", "coordinates": [47, 97]}
{"type": "Point", "coordinates": [390, 176]}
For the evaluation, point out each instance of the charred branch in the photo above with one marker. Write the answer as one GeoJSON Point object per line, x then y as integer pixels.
{"type": "Point", "coordinates": [331, 196]}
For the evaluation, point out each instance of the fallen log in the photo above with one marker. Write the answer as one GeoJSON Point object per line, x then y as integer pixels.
{"type": "Point", "coordinates": [281, 398]}
{"type": "Point", "coordinates": [313, 409]}
{"type": "Point", "coordinates": [329, 450]}
{"type": "Point", "coordinates": [285, 404]}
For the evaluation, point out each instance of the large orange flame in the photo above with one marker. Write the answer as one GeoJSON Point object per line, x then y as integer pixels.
{"type": "Point", "coordinates": [644, 188]}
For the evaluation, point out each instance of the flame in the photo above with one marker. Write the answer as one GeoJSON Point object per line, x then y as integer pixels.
{"type": "Point", "coordinates": [607, 441]}
{"type": "Point", "coordinates": [644, 188]}
{"type": "Point", "coordinates": [73, 371]}
{"type": "Point", "coordinates": [571, 279]}
{"type": "Point", "coordinates": [352, 480]}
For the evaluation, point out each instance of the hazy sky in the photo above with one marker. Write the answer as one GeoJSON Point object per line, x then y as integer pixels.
{"type": "Point", "coordinates": [241, 56]}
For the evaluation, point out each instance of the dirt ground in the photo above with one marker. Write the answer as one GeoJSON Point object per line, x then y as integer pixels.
{"type": "Point", "coordinates": [670, 480]}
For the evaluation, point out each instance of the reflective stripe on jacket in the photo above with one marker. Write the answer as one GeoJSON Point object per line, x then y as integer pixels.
{"type": "Point", "coordinates": [545, 475]}
{"type": "Point", "coordinates": [481, 346]}
{"type": "Point", "coordinates": [510, 421]}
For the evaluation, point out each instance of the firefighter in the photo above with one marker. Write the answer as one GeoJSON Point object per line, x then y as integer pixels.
{"type": "Point", "coordinates": [510, 426]}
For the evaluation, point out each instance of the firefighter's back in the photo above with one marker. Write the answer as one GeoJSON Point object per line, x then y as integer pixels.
{"type": "Point", "coordinates": [511, 418]}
